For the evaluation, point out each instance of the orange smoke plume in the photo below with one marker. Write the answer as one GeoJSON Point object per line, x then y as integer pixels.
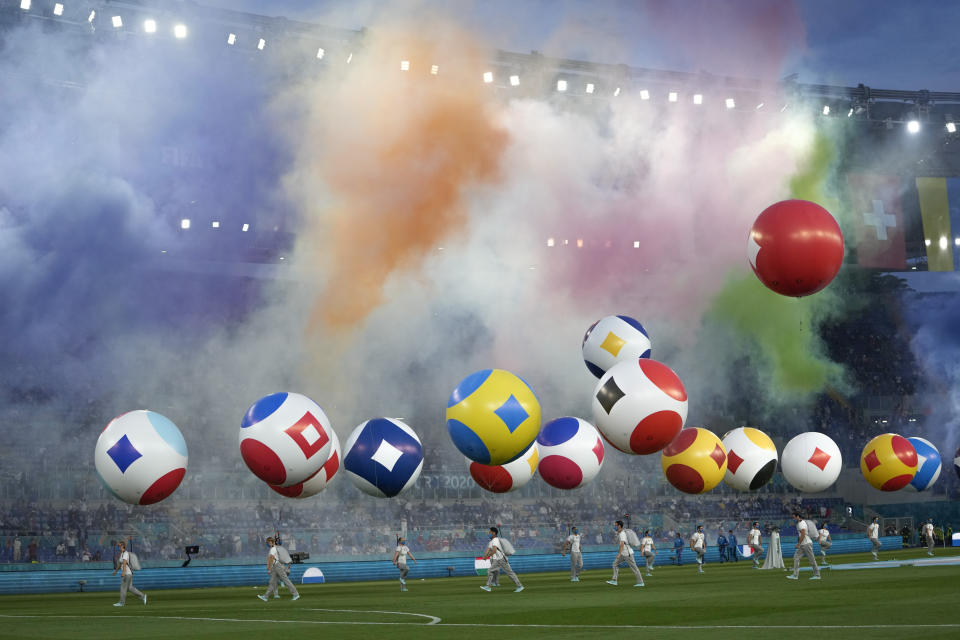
{"type": "Point", "coordinates": [397, 152]}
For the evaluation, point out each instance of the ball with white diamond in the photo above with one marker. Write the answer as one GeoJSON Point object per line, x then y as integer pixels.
{"type": "Point", "coordinates": [811, 462]}
{"type": "Point", "coordinates": [383, 457]}
{"type": "Point", "coordinates": [613, 339]}
{"type": "Point", "coordinates": [639, 406]}
{"type": "Point", "coordinates": [751, 458]}
{"type": "Point", "coordinates": [285, 438]}
{"type": "Point", "coordinates": [321, 479]}
{"type": "Point", "coordinates": [141, 457]}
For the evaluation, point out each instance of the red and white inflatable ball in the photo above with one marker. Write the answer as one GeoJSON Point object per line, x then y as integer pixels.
{"type": "Point", "coordinates": [571, 452]}
{"type": "Point", "coordinates": [507, 477]}
{"type": "Point", "coordinates": [811, 462]}
{"type": "Point", "coordinates": [141, 457]}
{"type": "Point", "coordinates": [795, 247]}
{"type": "Point", "coordinates": [285, 438]}
{"type": "Point", "coordinates": [695, 462]}
{"type": "Point", "coordinates": [639, 406]}
{"type": "Point", "coordinates": [321, 479]}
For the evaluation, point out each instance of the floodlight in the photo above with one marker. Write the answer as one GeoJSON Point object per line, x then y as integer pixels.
{"type": "Point", "coordinates": [826, 109]}
{"type": "Point", "coordinates": [215, 224]}
{"type": "Point", "coordinates": [117, 22]}
{"type": "Point", "coordinates": [25, 5]}
{"type": "Point", "coordinates": [58, 9]}
{"type": "Point", "coordinates": [589, 87]}
{"type": "Point", "coordinates": [951, 127]}
{"type": "Point", "coordinates": [616, 92]}
{"type": "Point", "coordinates": [698, 98]}
{"type": "Point", "coordinates": [245, 227]}
{"type": "Point", "coordinates": [434, 69]}
{"type": "Point", "coordinates": [561, 85]}
{"type": "Point", "coordinates": [320, 53]}
{"type": "Point", "coordinates": [943, 243]}
{"type": "Point", "coordinates": [760, 106]}
{"type": "Point", "coordinates": [185, 223]}
{"type": "Point", "coordinates": [404, 65]}
{"type": "Point", "coordinates": [232, 39]}
{"type": "Point", "coordinates": [180, 31]}
{"type": "Point", "coordinates": [550, 242]}
{"type": "Point", "coordinates": [644, 94]}
{"type": "Point", "coordinates": [730, 103]}
{"type": "Point", "coordinates": [261, 44]}
{"type": "Point", "coordinates": [488, 76]}
{"type": "Point", "coordinates": [514, 81]}
{"type": "Point", "coordinates": [636, 244]}
{"type": "Point", "coordinates": [672, 96]}
{"type": "Point", "coordinates": [913, 126]}
{"type": "Point", "coordinates": [349, 57]}
{"type": "Point", "coordinates": [92, 16]}
{"type": "Point", "coordinates": [150, 26]}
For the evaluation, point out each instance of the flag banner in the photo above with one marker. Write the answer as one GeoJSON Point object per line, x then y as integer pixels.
{"type": "Point", "coordinates": [935, 213]}
{"type": "Point", "coordinates": [481, 566]}
{"type": "Point", "coordinates": [746, 550]}
{"type": "Point", "coordinates": [878, 220]}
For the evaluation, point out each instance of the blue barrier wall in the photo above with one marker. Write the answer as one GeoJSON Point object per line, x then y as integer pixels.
{"type": "Point", "coordinates": [53, 581]}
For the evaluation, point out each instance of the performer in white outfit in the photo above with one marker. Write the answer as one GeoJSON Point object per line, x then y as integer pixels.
{"type": "Point", "coordinates": [126, 577]}
{"type": "Point", "coordinates": [649, 550]}
{"type": "Point", "coordinates": [400, 560]}
{"type": "Point", "coordinates": [873, 533]}
{"type": "Point", "coordinates": [928, 532]}
{"type": "Point", "coordinates": [756, 548]}
{"type": "Point", "coordinates": [698, 544]}
{"type": "Point", "coordinates": [825, 541]}
{"type": "Point", "coordinates": [804, 548]}
{"type": "Point", "coordinates": [278, 573]}
{"type": "Point", "coordinates": [573, 543]}
{"type": "Point", "coordinates": [624, 556]}
{"type": "Point", "coordinates": [498, 562]}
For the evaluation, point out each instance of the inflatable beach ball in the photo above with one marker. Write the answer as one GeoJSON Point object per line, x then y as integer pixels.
{"type": "Point", "coordinates": [639, 406]}
{"type": "Point", "coordinates": [493, 416]}
{"type": "Point", "coordinates": [695, 461]}
{"type": "Point", "coordinates": [751, 458]}
{"type": "Point", "coordinates": [318, 481]}
{"type": "Point", "coordinates": [611, 340]}
{"type": "Point", "coordinates": [383, 457]}
{"type": "Point", "coordinates": [888, 462]}
{"type": "Point", "coordinates": [571, 452]}
{"type": "Point", "coordinates": [141, 457]}
{"type": "Point", "coordinates": [507, 477]}
{"type": "Point", "coordinates": [811, 462]}
{"type": "Point", "coordinates": [285, 438]}
{"type": "Point", "coordinates": [929, 464]}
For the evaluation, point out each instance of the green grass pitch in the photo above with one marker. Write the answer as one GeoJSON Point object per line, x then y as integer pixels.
{"type": "Point", "coordinates": [728, 601]}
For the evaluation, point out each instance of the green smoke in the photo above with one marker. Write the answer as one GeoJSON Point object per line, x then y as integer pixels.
{"type": "Point", "coordinates": [780, 333]}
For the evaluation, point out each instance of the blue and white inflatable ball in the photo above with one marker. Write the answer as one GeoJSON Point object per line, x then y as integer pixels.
{"type": "Point", "coordinates": [611, 340]}
{"type": "Point", "coordinates": [929, 464]}
{"type": "Point", "coordinates": [383, 457]}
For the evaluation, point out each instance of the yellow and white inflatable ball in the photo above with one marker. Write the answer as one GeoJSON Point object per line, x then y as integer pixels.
{"type": "Point", "coordinates": [751, 458]}
{"type": "Point", "coordinates": [507, 477]}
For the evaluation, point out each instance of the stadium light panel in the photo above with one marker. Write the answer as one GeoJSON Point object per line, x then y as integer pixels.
{"type": "Point", "coordinates": [185, 223]}
{"type": "Point", "coordinates": [956, 241]}
{"type": "Point", "coordinates": [215, 224]}
{"type": "Point", "coordinates": [514, 81]}
{"type": "Point", "coordinates": [245, 227]}
{"type": "Point", "coordinates": [672, 96]}
{"type": "Point", "coordinates": [826, 109]}
{"type": "Point", "coordinates": [760, 106]}
{"type": "Point", "coordinates": [590, 87]}
{"type": "Point", "coordinates": [730, 103]}
{"type": "Point", "coordinates": [350, 58]}
{"type": "Point", "coordinates": [926, 242]}
{"type": "Point", "coordinates": [644, 94]}
{"type": "Point", "coordinates": [488, 77]}
{"type": "Point", "coordinates": [92, 16]}
{"type": "Point", "coordinates": [434, 69]}
{"type": "Point", "coordinates": [232, 39]}
{"type": "Point", "coordinates": [561, 85]}
{"type": "Point", "coordinates": [58, 9]}
{"type": "Point", "coordinates": [951, 127]}
{"type": "Point", "coordinates": [698, 98]}
{"type": "Point", "coordinates": [261, 44]}
{"type": "Point", "coordinates": [850, 113]}
{"type": "Point", "coordinates": [550, 242]}
{"type": "Point", "coordinates": [321, 53]}
{"type": "Point", "coordinates": [25, 5]}
{"type": "Point", "coordinates": [579, 243]}
{"type": "Point", "coordinates": [150, 26]}
{"type": "Point", "coordinates": [943, 243]}
{"type": "Point", "coordinates": [404, 65]}
{"type": "Point", "coordinates": [913, 126]}
{"type": "Point", "coordinates": [180, 31]}
{"type": "Point", "coordinates": [616, 92]}
{"type": "Point", "coordinates": [636, 244]}
{"type": "Point", "coordinates": [117, 22]}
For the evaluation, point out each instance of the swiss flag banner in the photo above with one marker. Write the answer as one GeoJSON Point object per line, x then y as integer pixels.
{"type": "Point", "coordinates": [878, 219]}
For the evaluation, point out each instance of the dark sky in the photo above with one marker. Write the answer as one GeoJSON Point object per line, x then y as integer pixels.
{"type": "Point", "coordinates": [889, 44]}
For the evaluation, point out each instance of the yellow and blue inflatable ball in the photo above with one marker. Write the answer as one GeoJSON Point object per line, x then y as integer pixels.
{"type": "Point", "coordinates": [493, 416]}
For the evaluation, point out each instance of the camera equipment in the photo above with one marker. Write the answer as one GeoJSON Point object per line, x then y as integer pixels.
{"type": "Point", "coordinates": [192, 549]}
{"type": "Point", "coordinates": [297, 557]}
